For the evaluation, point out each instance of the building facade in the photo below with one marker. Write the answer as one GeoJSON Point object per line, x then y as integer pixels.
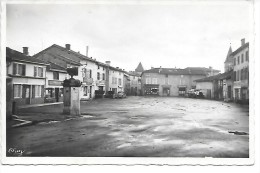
{"type": "Point", "coordinates": [97, 78]}
{"type": "Point", "coordinates": [28, 77]}
{"type": "Point", "coordinates": [170, 81]}
{"type": "Point", "coordinates": [55, 75]}
{"type": "Point", "coordinates": [241, 73]}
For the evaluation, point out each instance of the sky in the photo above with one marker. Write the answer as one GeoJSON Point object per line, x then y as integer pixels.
{"type": "Point", "coordinates": [167, 35]}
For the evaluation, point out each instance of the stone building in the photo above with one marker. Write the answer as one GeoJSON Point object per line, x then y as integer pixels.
{"type": "Point", "coordinates": [170, 81]}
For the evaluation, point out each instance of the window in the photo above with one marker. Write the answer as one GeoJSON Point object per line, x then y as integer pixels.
{"type": "Point", "coordinates": [98, 66]}
{"type": "Point", "coordinates": [119, 82]}
{"type": "Point", "coordinates": [103, 68]}
{"type": "Point", "coordinates": [238, 59]}
{"type": "Point", "coordinates": [84, 72]}
{"type": "Point", "coordinates": [148, 81]}
{"type": "Point", "coordinates": [19, 69]}
{"type": "Point", "coordinates": [38, 71]}
{"type": "Point", "coordinates": [235, 76]}
{"type": "Point", "coordinates": [119, 73]}
{"type": "Point", "coordinates": [154, 81]}
{"type": "Point", "coordinates": [56, 75]}
{"type": "Point", "coordinates": [247, 57]}
{"type": "Point", "coordinates": [37, 91]}
{"type": "Point", "coordinates": [90, 73]}
{"type": "Point", "coordinates": [234, 61]}
{"type": "Point", "coordinates": [242, 58]}
{"type": "Point", "coordinates": [103, 76]}
{"type": "Point", "coordinates": [17, 91]}
{"type": "Point", "coordinates": [98, 76]}
{"type": "Point", "coordinates": [85, 90]}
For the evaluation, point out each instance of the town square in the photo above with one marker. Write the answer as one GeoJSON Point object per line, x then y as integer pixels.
{"type": "Point", "coordinates": [101, 81]}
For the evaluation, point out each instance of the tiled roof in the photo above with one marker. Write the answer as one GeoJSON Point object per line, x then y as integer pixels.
{"type": "Point", "coordinates": [203, 69]}
{"type": "Point", "coordinates": [13, 55]}
{"type": "Point", "coordinates": [226, 75]}
{"type": "Point", "coordinates": [79, 55]}
{"type": "Point", "coordinates": [175, 71]}
{"type": "Point", "coordinates": [240, 49]}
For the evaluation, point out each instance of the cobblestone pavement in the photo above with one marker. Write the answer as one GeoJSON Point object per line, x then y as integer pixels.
{"type": "Point", "coordinates": [135, 126]}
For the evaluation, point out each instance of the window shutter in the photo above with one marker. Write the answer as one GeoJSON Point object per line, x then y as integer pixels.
{"type": "Point", "coordinates": [42, 90]}
{"type": "Point", "coordinates": [41, 72]}
{"type": "Point", "coordinates": [33, 91]}
{"type": "Point", "coordinates": [14, 69]}
{"type": "Point", "coordinates": [35, 71]}
{"type": "Point", "coordinates": [23, 70]}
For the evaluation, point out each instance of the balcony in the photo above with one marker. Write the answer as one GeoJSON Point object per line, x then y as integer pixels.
{"type": "Point", "coordinates": [88, 81]}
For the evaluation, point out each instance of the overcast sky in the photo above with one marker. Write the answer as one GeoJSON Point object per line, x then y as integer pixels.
{"type": "Point", "coordinates": [173, 35]}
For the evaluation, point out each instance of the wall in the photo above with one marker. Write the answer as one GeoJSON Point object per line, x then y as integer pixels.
{"type": "Point", "coordinates": [206, 86]}
{"type": "Point", "coordinates": [116, 74]}
{"type": "Point", "coordinates": [174, 81]}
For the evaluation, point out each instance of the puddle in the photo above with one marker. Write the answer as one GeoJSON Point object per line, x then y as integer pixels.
{"type": "Point", "coordinates": [49, 122]}
{"type": "Point", "coordinates": [124, 145]}
{"type": "Point", "coordinates": [238, 133]}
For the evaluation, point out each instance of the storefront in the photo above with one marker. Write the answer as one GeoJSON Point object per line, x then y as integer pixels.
{"type": "Point", "coordinates": [151, 89]}
{"type": "Point", "coordinates": [54, 92]}
{"type": "Point", "coordinates": [182, 90]}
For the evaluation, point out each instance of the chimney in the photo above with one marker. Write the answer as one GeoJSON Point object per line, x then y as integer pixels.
{"type": "Point", "coordinates": [243, 42]}
{"type": "Point", "coordinates": [87, 51]}
{"type": "Point", "coordinates": [108, 62]}
{"type": "Point", "coordinates": [25, 51]}
{"type": "Point", "coordinates": [67, 46]}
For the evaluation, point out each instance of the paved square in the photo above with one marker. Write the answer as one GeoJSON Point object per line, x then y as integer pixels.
{"type": "Point", "coordinates": [136, 126]}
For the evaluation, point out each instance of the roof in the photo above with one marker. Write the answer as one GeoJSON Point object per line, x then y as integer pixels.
{"type": "Point", "coordinates": [13, 55]}
{"type": "Point", "coordinates": [207, 70]}
{"type": "Point", "coordinates": [240, 49]}
{"type": "Point", "coordinates": [226, 75]}
{"type": "Point", "coordinates": [83, 57]}
{"type": "Point", "coordinates": [55, 67]}
{"type": "Point", "coordinates": [175, 71]}
{"type": "Point", "coordinates": [139, 68]}
{"type": "Point", "coordinates": [229, 57]}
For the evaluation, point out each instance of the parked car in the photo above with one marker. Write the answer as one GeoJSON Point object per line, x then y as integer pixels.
{"type": "Point", "coordinates": [195, 93]}
{"type": "Point", "coordinates": [110, 94]}
{"type": "Point", "coordinates": [121, 95]}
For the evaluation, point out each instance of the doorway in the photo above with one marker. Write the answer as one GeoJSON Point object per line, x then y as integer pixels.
{"type": "Point", "coordinates": [26, 93]}
{"type": "Point", "coordinates": [57, 90]}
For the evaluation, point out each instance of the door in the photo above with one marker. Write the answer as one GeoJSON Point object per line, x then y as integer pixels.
{"type": "Point", "coordinates": [229, 92]}
{"type": "Point", "coordinates": [26, 93]}
{"type": "Point", "coordinates": [57, 94]}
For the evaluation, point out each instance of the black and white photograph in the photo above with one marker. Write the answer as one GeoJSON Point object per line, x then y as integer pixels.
{"type": "Point", "coordinates": [111, 82]}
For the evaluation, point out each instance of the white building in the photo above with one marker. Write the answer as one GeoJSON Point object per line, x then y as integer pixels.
{"type": "Point", "coordinates": [28, 77]}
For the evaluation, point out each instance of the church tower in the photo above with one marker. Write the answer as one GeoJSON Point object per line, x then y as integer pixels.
{"type": "Point", "coordinates": [229, 62]}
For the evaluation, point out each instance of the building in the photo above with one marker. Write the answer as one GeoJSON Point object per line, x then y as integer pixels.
{"type": "Point", "coordinates": [97, 78]}
{"type": "Point", "coordinates": [229, 62]}
{"type": "Point", "coordinates": [216, 87]}
{"type": "Point", "coordinates": [55, 75]}
{"type": "Point", "coordinates": [115, 78]}
{"type": "Point", "coordinates": [241, 73]}
{"type": "Point", "coordinates": [170, 81]}
{"type": "Point", "coordinates": [126, 82]}
{"type": "Point", "coordinates": [28, 77]}
{"type": "Point", "coordinates": [135, 83]}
